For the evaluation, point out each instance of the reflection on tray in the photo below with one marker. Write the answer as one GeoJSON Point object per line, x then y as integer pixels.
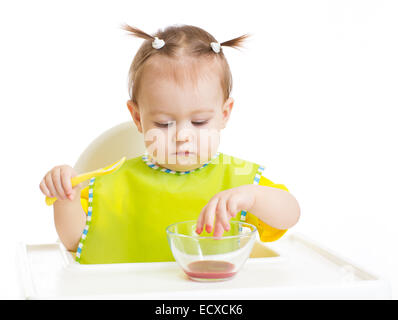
{"type": "Point", "coordinates": [261, 251]}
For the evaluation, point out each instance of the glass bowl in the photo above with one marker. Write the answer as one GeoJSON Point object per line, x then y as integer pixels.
{"type": "Point", "coordinates": [207, 258]}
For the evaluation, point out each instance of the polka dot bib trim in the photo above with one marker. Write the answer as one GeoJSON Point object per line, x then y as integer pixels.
{"type": "Point", "coordinates": [146, 158]}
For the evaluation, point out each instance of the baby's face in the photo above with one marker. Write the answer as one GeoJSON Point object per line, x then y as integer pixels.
{"type": "Point", "coordinates": [181, 125]}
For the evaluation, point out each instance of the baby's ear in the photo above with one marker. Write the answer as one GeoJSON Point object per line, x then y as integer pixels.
{"type": "Point", "coordinates": [130, 105]}
{"type": "Point", "coordinates": [133, 108]}
{"type": "Point", "coordinates": [226, 110]}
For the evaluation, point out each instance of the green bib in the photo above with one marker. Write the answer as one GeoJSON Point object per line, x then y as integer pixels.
{"type": "Point", "coordinates": [129, 209]}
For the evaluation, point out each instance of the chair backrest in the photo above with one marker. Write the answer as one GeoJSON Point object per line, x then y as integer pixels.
{"type": "Point", "coordinates": [121, 140]}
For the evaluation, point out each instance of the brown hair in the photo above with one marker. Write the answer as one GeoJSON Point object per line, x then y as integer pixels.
{"type": "Point", "coordinates": [184, 44]}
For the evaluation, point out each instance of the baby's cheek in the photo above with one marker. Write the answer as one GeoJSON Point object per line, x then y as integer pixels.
{"type": "Point", "coordinates": [209, 140]}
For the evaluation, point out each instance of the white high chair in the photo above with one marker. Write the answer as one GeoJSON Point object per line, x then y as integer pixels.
{"type": "Point", "coordinates": [121, 140]}
{"type": "Point", "coordinates": [293, 267]}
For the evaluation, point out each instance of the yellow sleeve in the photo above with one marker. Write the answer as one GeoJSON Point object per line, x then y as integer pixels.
{"type": "Point", "coordinates": [266, 232]}
{"type": "Point", "coordinates": [84, 198]}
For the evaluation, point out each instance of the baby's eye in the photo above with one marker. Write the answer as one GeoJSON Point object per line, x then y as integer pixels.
{"type": "Point", "coordinates": [199, 123]}
{"type": "Point", "coordinates": [168, 124]}
{"type": "Point", "coordinates": [163, 125]}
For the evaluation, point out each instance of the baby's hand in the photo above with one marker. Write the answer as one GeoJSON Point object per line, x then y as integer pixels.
{"type": "Point", "coordinates": [223, 206]}
{"type": "Point", "coordinates": [57, 183]}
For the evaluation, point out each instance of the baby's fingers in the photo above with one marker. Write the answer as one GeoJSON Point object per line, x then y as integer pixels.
{"type": "Point", "coordinates": [222, 218]}
{"type": "Point", "coordinates": [50, 186]}
{"type": "Point", "coordinates": [66, 182]}
{"type": "Point", "coordinates": [199, 222]}
{"type": "Point", "coordinates": [218, 229]}
{"type": "Point", "coordinates": [232, 207]}
{"type": "Point", "coordinates": [56, 178]}
{"type": "Point", "coordinates": [210, 213]}
{"type": "Point", "coordinates": [44, 188]}
{"type": "Point", "coordinates": [202, 218]}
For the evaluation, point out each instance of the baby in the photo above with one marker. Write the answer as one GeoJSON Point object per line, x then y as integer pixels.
{"type": "Point", "coordinates": [179, 86]}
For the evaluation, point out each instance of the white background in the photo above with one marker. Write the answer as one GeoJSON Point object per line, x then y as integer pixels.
{"type": "Point", "coordinates": [315, 102]}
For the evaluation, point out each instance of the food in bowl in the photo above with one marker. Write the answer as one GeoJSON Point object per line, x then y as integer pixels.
{"type": "Point", "coordinates": [207, 258]}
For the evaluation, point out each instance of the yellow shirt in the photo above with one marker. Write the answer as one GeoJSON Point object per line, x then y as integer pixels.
{"type": "Point", "coordinates": [266, 232]}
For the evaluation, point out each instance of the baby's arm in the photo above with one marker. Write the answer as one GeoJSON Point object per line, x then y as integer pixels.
{"type": "Point", "coordinates": [70, 220]}
{"type": "Point", "coordinates": [278, 208]}
{"type": "Point", "coordinates": [69, 216]}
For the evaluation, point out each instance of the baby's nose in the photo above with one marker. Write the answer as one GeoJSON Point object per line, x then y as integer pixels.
{"type": "Point", "coordinates": [185, 134]}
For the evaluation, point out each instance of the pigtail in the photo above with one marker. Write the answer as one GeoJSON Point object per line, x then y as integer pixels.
{"type": "Point", "coordinates": [136, 32]}
{"type": "Point", "coordinates": [236, 42]}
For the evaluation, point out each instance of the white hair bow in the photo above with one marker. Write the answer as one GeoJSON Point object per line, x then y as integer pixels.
{"type": "Point", "coordinates": [215, 46]}
{"type": "Point", "coordinates": [157, 43]}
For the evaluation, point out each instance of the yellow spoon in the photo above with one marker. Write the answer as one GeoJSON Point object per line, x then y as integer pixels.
{"type": "Point", "coordinates": [88, 175]}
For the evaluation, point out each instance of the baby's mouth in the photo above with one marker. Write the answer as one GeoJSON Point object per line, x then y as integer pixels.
{"type": "Point", "coordinates": [184, 153]}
